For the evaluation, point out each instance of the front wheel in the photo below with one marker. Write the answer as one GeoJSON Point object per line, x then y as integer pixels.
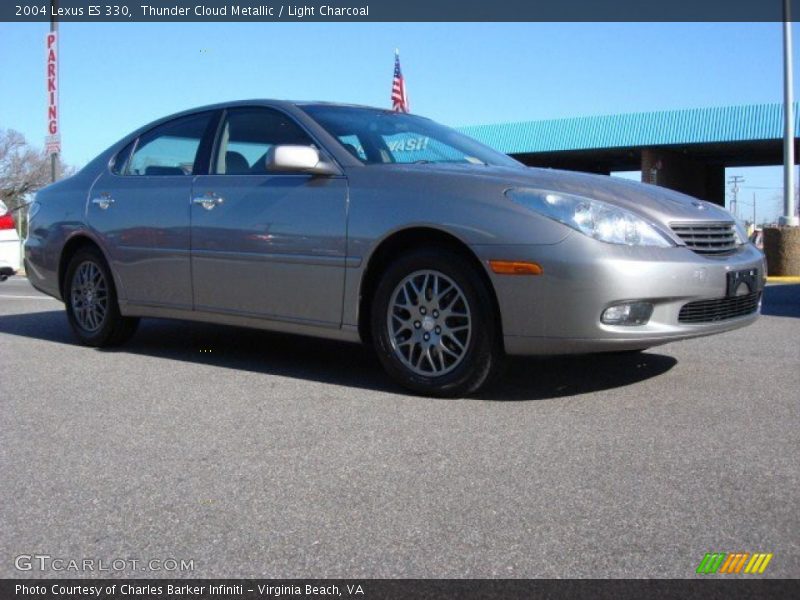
{"type": "Point", "coordinates": [433, 324]}
{"type": "Point", "coordinates": [91, 302]}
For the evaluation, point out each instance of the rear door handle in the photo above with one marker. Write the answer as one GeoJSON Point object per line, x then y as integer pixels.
{"type": "Point", "coordinates": [104, 200]}
{"type": "Point", "coordinates": [208, 200]}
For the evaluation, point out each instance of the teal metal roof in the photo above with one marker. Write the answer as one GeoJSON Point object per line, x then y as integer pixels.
{"type": "Point", "coordinates": [676, 127]}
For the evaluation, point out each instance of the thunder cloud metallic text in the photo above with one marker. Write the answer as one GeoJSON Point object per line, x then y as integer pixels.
{"type": "Point", "coordinates": [235, 10]}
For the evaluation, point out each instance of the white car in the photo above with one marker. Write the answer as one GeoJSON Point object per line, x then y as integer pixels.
{"type": "Point", "coordinates": [9, 244]}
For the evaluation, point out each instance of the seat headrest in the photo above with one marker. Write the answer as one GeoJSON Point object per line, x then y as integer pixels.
{"type": "Point", "coordinates": [236, 164]}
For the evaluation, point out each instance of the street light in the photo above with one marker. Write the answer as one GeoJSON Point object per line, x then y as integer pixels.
{"type": "Point", "coordinates": [789, 213]}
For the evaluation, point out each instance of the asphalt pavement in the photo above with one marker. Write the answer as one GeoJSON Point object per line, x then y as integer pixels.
{"type": "Point", "coordinates": [254, 454]}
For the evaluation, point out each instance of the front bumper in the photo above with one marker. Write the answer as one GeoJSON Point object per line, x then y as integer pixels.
{"type": "Point", "coordinates": [559, 312]}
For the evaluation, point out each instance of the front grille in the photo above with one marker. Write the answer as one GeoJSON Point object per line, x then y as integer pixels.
{"type": "Point", "coordinates": [707, 238]}
{"type": "Point", "coordinates": [720, 309]}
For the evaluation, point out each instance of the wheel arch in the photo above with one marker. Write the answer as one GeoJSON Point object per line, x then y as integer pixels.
{"type": "Point", "coordinates": [404, 240]}
{"type": "Point", "coordinates": [73, 244]}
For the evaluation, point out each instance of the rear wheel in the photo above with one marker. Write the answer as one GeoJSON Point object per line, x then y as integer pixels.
{"type": "Point", "coordinates": [433, 324]}
{"type": "Point", "coordinates": [91, 301]}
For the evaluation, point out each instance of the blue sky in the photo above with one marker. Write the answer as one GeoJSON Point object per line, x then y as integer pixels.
{"type": "Point", "coordinates": [118, 76]}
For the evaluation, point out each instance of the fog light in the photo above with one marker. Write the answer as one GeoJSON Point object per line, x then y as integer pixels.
{"type": "Point", "coordinates": [630, 313]}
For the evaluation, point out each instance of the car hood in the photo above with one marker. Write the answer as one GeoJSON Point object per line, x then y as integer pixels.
{"type": "Point", "coordinates": [652, 202]}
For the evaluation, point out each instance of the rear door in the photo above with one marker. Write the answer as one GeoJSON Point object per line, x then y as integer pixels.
{"type": "Point", "coordinates": [140, 211]}
{"type": "Point", "coordinates": [264, 244]}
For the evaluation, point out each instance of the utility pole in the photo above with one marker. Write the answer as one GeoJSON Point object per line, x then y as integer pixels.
{"type": "Point", "coordinates": [735, 180]}
{"type": "Point", "coordinates": [789, 214]}
{"type": "Point", "coordinates": [754, 211]}
{"type": "Point", "coordinates": [53, 29]}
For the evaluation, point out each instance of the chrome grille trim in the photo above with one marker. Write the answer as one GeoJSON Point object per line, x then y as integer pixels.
{"type": "Point", "coordinates": [719, 309]}
{"type": "Point", "coordinates": [707, 238]}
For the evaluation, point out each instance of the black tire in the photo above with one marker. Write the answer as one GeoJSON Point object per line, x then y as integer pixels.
{"type": "Point", "coordinates": [112, 329]}
{"type": "Point", "coordinates": [483, 351]}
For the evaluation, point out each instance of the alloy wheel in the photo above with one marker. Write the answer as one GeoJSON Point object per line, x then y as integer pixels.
{"type": "Point", "coordinates": [429, 323]}
{"type": "Point", "coordinates": [89, 296]}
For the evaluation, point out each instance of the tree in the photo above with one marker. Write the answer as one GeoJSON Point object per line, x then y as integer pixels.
{"type": "Point", "coordinates": [23, 170]}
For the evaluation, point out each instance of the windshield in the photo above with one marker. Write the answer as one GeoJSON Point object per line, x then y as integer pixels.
{"type": "Point", "coordinates": [377, 136]}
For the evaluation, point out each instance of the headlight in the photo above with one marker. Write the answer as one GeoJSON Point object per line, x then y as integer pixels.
{"type": "Point", "coordinates": [594, 218]}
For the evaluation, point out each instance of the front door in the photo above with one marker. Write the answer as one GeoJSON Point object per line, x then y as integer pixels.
{"type": "Point", "coordinates": [268, 245]}
{"type": "Point", "coordinates": [139, 209]}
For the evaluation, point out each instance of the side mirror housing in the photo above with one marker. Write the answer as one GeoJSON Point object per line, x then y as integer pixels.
{"type": "Point", "coordinates": [297, 159]}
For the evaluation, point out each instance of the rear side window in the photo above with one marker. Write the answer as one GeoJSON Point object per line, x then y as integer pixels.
{"type": "Point", "coordinates": [171, 148]}
{"type": "Point", "coordinates": [247, 136]}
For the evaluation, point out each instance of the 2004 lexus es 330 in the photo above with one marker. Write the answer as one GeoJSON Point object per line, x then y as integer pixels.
{"type": "Point", "coordinates": [366, 225]}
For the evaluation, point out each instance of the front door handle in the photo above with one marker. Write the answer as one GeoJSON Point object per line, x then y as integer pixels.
{"type": "Point", "coordinates": [208, 200]}
{"type": "Point", "coordinates": [104, 200]}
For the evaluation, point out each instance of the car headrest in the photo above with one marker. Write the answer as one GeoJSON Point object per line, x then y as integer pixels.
{"type": "Point", "coordinates": [236, 164]}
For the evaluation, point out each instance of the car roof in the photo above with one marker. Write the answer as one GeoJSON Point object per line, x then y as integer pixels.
{"type": "Point", "coordinates": [269, 102]}
{"type": "Point", "coordinates": [285, 104]}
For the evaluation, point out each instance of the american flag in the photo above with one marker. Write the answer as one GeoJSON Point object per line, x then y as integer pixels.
{"type": "Point", "coordinates": [399, 97]}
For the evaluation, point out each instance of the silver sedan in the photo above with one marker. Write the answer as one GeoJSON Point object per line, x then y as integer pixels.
{"type": "Point", "coordinates": [366, 225]}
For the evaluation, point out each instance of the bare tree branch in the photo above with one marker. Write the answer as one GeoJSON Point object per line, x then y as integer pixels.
{"type": "Point", "coordinates": [23, 168]}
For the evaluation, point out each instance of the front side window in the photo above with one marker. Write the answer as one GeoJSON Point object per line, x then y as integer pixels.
{"type": "Point", "coordinates": [171, 148]}
{"type": "Point", "coordinates": [247, 136]}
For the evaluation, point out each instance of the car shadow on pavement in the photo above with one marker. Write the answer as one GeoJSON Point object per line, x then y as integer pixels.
{"type": "Point", "coordinates": [223, 346]}
{"type": "Point", "coordinates": [531, 378]}
{"type": "Point", "coordinates": [343, 363]}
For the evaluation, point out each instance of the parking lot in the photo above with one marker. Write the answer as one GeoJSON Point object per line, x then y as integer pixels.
{"type": "Point", "coordinates": [257, 454]}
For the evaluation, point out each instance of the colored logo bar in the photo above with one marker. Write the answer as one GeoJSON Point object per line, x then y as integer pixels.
{"type": "Point", "coordinates": [735, 562]}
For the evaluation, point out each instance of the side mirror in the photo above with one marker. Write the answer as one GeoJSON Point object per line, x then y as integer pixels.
{"type": "Point", "coordinates": [297, 159]}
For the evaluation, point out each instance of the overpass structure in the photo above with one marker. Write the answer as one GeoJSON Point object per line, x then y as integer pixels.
{"type": "Point", "coordinates": [686, 150]}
